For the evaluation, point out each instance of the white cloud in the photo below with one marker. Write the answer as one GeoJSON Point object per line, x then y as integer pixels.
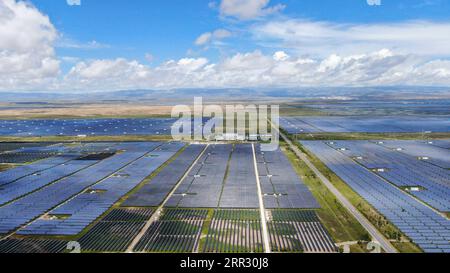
{"type": "Point", "coordinates": [280, 56]}
{"type": "Point", "coordinates": [27, 57]}
{"type": "Point", "coordinates": [149, 57]}
{"type": "Point", "coordinates": [221, 34]}
{"type": "Point", "coordinates": [70, 59]}
{"type": "Point", "coordinates": [203, 39]}
{"type": "Point", "coordinates": [255, 69]}
{"type": "Point", "coordinates": [105, 74]}
{"type": "Point", "coordinates": [70, 43]}
{"type": "Point", "coordinates": [248, 9]}
{"type": "Point", "coordinates": [101, 69]}
{"type": "Point", "coordinates": [207, 37]}
{"type": "Point", "coordinates": [413, 53]}
{"type": "Point", "coordinates": [324, 38]}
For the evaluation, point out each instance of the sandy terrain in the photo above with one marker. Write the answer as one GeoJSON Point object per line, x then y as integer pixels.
{"type": "Point", "coordinates": [88, 110]}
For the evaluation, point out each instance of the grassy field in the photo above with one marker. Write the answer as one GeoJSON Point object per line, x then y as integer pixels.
{"type": "Point", "coordinates": [4, 167]}
{"type": "Point", "coordinates": [299, 110]}
{"type": "Point", "coordinates": [205, 230]}
{"type": "Point", "coordinates": [342, 226]}
{"type": "Point", "coordinates": [399, 240]}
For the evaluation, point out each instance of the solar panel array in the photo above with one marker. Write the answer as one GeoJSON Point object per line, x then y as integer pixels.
{"type": "Point", "coordinates": [11, 146]}
{"type": "Point", "coordinates": [116, 231]}
{"type": "Point", "coordinates": [23, 246]}
{"type": "Point", "coordinates": [178, 230]}
{"type": "Point", "coordinates": [298, 231]}
{"type": "Point", "coordinates": [427, 151]}
{"type": "Point", "coordinates": [14, 174]}
{"type": "Point", "coordinates": [40, 179]}
{"type": "Point", "coordinates": [234, 231]}
{"type": "Point", "coordinates": [18, 158]}
{"type": "Point", "coordinates": [88, 206]}
{"type": "Point", "coordinates": [424, 226]}
{"type": "Point", "coordinates": [154, 192]}
{"type": "Point", "coordinates": [203, 185]}
{"type": "Point", "coordinates": [442, 143]}
{"type": "Point", "coordinates": [75, 127]}
{"type": "Point", "coordinates": [25, 209]}
{"type": "Point", "coordinates": [77, 189]}
{"type": "Point", "coordinates": [280, 184]}
{"type": "Point", "coordinates": [240, 189]}
{"type": "Point", "coordinates": [365, 124]}
{"type": "Point", "coordinates": [431, 182]}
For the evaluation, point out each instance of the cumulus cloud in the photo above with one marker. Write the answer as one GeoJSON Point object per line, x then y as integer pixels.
{"type": "Point", "coordinates": [308, 54]}
{"type": "Point", "coordinates": [323, 38]}
{"type": "Point", "coordinates": [27, 56]}
{"type": "Point", "coordinates": [280, 56]}
{"type": "Point", "coordinates": [149, 57]}
{"type": "Point", "coordinates": [203, 39]}
{"type": "Point", "coordinates": [221, 33]}
{"type": "Point", "coordinates": [248, 9]}
{"type": "Point", "coordinates": [255, 69]}
{"type": "Point", "coordinates": [208, 37]}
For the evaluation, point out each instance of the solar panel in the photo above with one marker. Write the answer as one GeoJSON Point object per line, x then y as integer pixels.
{"type": "Point", "coordinates": [409, 215]}
{"type": "Point", "coordinates": [336, 124]}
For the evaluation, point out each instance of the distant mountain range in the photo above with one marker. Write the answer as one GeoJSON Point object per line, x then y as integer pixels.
{"type": "Point", "coordinates": [334, 93]}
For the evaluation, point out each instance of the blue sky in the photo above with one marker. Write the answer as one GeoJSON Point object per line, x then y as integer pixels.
{"type": "Point", "coordinates": [196, 40]}
{"type": "Point", "coordinates": [167, 29]}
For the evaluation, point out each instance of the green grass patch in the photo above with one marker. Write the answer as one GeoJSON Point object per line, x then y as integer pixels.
{"type": "Point", "coordinates": [205, 230]}
{"type": "Point", "coordinates": [341, 225]}
{"type": "Point", "coordinates": [299, 110]}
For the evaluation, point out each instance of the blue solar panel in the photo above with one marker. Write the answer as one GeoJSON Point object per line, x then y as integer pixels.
{"type": "Point", "coordinates": [406, 124]}
{"type": "Point", "coordinates": [279, 180]}
{"type": "Point", "coordinates": [409, 215]}
{"type": "Point", "coordinates": [154, 193]}
{"type": "Point", "coordinates": [240, 188]}
{"type": "Point", "coordinates": [88, 206]}
{"type": "Point", "coordinates": [202, 187]}
{"type": "Point", "coordinates": [25, 209]}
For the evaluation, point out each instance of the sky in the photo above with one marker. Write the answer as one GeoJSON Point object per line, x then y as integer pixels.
{"type": "Point", "coordinates": [106, 45]}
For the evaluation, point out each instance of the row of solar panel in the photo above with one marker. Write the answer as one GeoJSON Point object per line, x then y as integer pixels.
{"type": "Point", "coordinates": [25, 209]}
{"type": "Point", "coordinates": [154, 192]}
{"type": "Point", "coordinates": [203, 185]}
{"type": "Point", "coordinates": [281, 186]}
{"type": "Point", "coordinates": [88, 206]}
{"type": "Point", "coordinates": [428, 229]}
{"type": "Point", "coordinates": [393, 161]}
{"type": "Point", "coordinates": [298, 231]}
{"type": "Point", "coordinates": [300, 125]}
{"type": "Point", "coordinates": [99, 127]}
